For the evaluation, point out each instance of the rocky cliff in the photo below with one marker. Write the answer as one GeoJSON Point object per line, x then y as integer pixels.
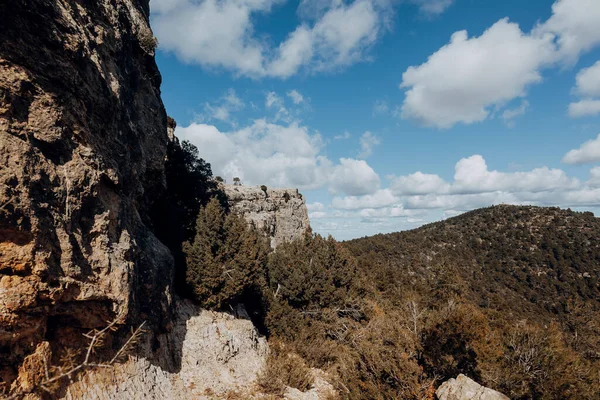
{"type": "Point", "coordinates": [280, 213]}
{"type": "Point", "coordinates": [83, 135]}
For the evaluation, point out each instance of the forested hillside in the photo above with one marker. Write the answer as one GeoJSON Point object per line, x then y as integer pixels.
{"type": "Point", "coordinates": [530, 261]}
{"type": "Point", "coordinates": [509, 295]}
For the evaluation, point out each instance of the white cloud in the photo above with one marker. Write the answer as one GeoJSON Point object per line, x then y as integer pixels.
{"type": "Point", "coordinates": [472, 176]}
{"type": "Point", "coordinates": [419, 198]}
{"type": "Point", "coordinates": [594, 181]}
{"type": "Point", "coordinates": [353, 177]}
{"type": "Point", "coordinates": [588, 81]}
{"type": "Point", "coordinates": [212, 33]}
{"type": "Point", "coordinates": [584, 108]}
{"type": "Point", "coordinates": [316, 206]}
{"type": "Point", "coordinates": [386, 212]}
{"type": "Point", "coordinates": [316, 210]}
{"type": "Point", "coordinates": [381, 198]}
{"type": "Point", "coordinates": [433, 7]}
{"type": "Point", "coordinates": [575, 25]}
{"type": "Point", "coordinates": [278, 156]}
{"type": "Point", "coordinates": [317, 215]}
{"type": "Point", "coordinates": [343, 136]}
{"type": "Point", "coordinates": [419, 183]}
{"type": "Point", "coordinates": [273, 101]}
{"type": "Point", "coordinates": [221, 34]}
{"type": "Point", "coordinates": [296, 97]}
{"type": "Point", "coordinates": [223, 108]}
{"type": "Point", "coordinates": [587, 86]}
{"type": "Point", "coordinates": [427, 197]}
{"type": "Point", "coordinates": [510, 114]}
{"type": "Point", "coordinates": [588, 152]}
{"type": "Point", "coordinates": [466, 79]}
{"type": "Point", "coordinates": [367, 142]}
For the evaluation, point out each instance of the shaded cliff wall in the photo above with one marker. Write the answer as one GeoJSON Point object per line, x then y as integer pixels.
{"type": "Point", "coordinates": [83, 136]}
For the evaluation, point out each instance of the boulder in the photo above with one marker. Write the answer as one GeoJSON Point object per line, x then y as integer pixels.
{"type": "Point", "coordinates": [465, 388]}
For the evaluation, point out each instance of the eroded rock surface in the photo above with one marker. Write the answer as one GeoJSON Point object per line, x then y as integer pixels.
{"type": "Point", "coordinates": [83, 136]}
{"type": "Point", "coordinates": [280, 213]}
{"type": "Point", "coordinates": [465, 388]}
{"type": "Point", "coordinates": [219, 355]}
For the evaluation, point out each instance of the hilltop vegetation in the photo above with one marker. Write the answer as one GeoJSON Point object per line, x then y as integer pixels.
{"type": "Point", "coordinates": [530, 261]}
{"type": "Point", "coordinates": [506, 295]}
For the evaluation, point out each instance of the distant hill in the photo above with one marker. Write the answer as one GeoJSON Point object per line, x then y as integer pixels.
{"type": "Point", "coordinates": [530, 261]}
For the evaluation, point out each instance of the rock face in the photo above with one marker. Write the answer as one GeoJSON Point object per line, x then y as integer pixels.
{"type": "Point", "coordinates": [217, 354]}
{"type": "Point", "coordinates": [464, 388]}
{"type": "Point", "coordinates": [220, 356]}
{"type": "Point", "coordinates": [83, 136]}
{"type": "Point", "coordinates": [281, 213]}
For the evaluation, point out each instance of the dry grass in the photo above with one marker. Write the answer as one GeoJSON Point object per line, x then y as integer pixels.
{"type": "Point", "coordinates": [284, 369]}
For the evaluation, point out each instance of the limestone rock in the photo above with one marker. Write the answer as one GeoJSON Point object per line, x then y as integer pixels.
{"type": "Point", "coordinates": [218, 356]}
{"type": "Point", "coordinates": [464, 388]}
{"type": "Point", "coordinates": [280, 213]}
{"type": "Point", "coordinates": [217, 353]}
{"type": "Point", "coordinates": [83, 137]}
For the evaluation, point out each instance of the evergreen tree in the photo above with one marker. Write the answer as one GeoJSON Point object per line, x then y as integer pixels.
{"type": "Point", "coordinates": [227, 258]}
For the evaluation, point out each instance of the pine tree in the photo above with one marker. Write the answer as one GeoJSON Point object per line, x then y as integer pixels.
{"type": "Point", "coordinates": [226, 259]}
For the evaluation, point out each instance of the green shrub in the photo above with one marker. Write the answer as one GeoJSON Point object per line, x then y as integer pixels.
{"type": "Point", "coordinates": [227, 258]}
{"type": "Point", "coordinates": [312, 272]}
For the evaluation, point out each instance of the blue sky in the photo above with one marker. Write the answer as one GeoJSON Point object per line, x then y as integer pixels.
{"type": "Point", "coordinates": [390, 114]}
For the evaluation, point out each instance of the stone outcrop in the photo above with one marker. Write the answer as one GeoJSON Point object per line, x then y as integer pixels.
{"type": "Point", "coordinates": [219, 355]}
{"type": "Point", "coordinates": [280, 213]}
{"type": "Point", "coordinates": [83, 136]}
{"type": "Point", "coordinates": [465, 388]}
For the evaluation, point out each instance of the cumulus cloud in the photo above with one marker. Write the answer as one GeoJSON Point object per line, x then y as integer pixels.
{"type": "Point", "coordinates": [584, 108]}
{"type": "Point", "coordinates": [381, 198]}
{"type": "Point", "coordinates": [221, 34]}
{"type": "Point", "coordinates": [469, 77]}
{"type": "Point", "coordinates": [367, 142]}
{"type": "Point", "coordinates": [353, 177]}
{"type": "Point", "coordinates": [426, 197]}
{"type": "Point", "coordinates": [472, 176]}
{"type": "Point", "coordinates": [588, 87]}
{"type": "Point", "coordinates": [588, 152]}
{"type": "Point", "coordinates": [574, 23]}
{"type": "Point", "coordinates": [594, 181]}
{"type": "Point", "coordinates": [279, 156]}
{"type": "Point", "coordinates": [464, 79]}
{"type": "Point", "coordinates": [588, 81]}
{"type": "Point", "coordinates": [419, 183]}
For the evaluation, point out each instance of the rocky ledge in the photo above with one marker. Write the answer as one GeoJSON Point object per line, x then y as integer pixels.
{"type": "Point", "coordinates": [280, 213]}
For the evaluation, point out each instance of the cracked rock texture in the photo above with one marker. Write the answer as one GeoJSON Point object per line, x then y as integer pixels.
{"type": "Point", "coordinates": [83, 136]}
{"type": "Point", "coordinates": [280, 213]}
{"type": "Point", "coordinates": [219, 355]}
{"type": "Point", "coordinates": [465, 388]}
